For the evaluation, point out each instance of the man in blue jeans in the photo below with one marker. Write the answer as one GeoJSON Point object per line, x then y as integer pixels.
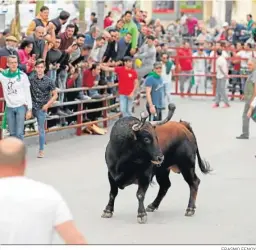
{"type": "Point", "coordinates": [16, 90]}
{"type": "Point", "coordinates": [127, 84]}
{"type": "Point", "coordinates": [44, 94]}
{"type": "Point", "coordinates": [155, 91]}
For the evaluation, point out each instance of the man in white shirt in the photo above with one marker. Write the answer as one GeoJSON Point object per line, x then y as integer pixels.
{"type": "Point", "coordinates": [199, 67]}
{"type": "Point", "coordinates": [222, 76]}
{"type": "Point", "coordinates": [30, 210]}
{"type": "Point", "coordinates": [167, 68]}
{"type": "Point", "coordinates": [16, 90]}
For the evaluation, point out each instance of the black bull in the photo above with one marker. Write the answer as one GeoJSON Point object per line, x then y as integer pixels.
{"type": "Point", "coordinates": [137, 151]}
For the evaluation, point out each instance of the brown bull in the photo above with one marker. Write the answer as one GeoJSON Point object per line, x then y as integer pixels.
{"type": "Point", "coordinates": [179, 146]}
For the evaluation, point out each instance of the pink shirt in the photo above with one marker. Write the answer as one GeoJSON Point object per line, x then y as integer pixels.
{"type": "Point", "coordinates": [191, 24]}
{"type": "Point", "coordinates": [25, 59]}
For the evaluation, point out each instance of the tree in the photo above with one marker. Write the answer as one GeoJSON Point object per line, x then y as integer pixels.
{"type": "Point", "coordinates": [39, 4]}
{"type": "Point", "coordinates": [15, 23]}
{"type": "Point", "coordinates": [229, 9]}
{"type": "Point", "coordinates": [82, 25]}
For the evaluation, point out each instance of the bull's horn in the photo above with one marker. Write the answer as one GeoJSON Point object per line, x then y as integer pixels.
{"type": "Point", "coordinates": [171, 108]}
{"type": "Point", "coordinates": [143, 117]}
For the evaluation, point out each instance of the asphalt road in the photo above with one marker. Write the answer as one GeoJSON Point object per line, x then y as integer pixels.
{"type": "Point", "coordinates": [226, 200]}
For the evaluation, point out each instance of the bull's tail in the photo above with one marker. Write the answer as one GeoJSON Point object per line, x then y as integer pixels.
{"type": "Point", "coordinates": [203, 164]}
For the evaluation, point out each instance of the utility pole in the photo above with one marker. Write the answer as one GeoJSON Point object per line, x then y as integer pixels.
{"type": "Point", "coordinates": [229, 8]}
{"type": "Point", "coordinates": [100, 13]}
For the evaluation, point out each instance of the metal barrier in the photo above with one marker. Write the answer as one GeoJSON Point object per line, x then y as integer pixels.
{"type": "Point", "coordinates": [78, 114]}
{"type": "Point", "coordinates": [213, 59]}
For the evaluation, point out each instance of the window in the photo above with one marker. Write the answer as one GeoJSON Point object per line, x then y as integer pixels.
{"type": "Point", "coordinates": [163, 6]}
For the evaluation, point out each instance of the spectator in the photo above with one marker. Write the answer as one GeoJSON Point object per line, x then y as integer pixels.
{"type": "Point", "coordinates": [112, 47]}
{"type": "Point", "coordinates": [124, 47]}
{"type": "Point", "coordinates": [130, 27]}
{"type": "Point", "coordinates": [56, 23]}
{"type": "Point", "coordinates": [91, 36]}
{"type": "Point", "coordinates": [44, 94]}
{"type": "Point", "coordinates": [52, 59]}
{"type": "Point", "coordinates": [16, 89]}
{"type": "Point", "coordinates": [77, 53]}
{"type": "Point", "coordinates": [167, 68]}
{"type": "Point", "coordinates": [38, 42]}
{"type": "Point", "coordinates": [91, 78]}
{"type": "Point", "coordinates": [222, 76]}
{"type": "Point", "coordinates": [108, 21]}
{"type": "Point", "coordinates": [90, 21]}
{"type": "Point", "coordinates": [142, 35]}
{"type": "Point", "coordinates": [30, 211]}
{"type": "Point", "coordinates": [155, 92]}
{"type": "Point", "coordinates": [147, 55]}
{"type": "Point", "coordinates": [185, 65]}
{"type": "Point", "coordinates": [237, 31]}
{"type": "Point", "coordinates": [25, 55]}
{"type": "Point", "coordinates": [95, 53]}
{"type": "Point", "coordinates": [249, 95]}
{"type": "Point", "coordinates": [5, 34]}
{"type": "Point", "coordinates": [67, 37]}
{"type": "Point", "coordinates": [137, 19]}
{"type": "Point", "coordinates": [8, 50]}
{"type": "Point", "coordinates": [75, 22]}
{"type": "Point", "coordinates": [200, 67]}
{"type": "Point", "coordinates": [107, 38]}
{"type": "Point", "coordinates": [245, 54]}
{"type": "Point", "coordinates": [40, 20]}
{"type": "Point", "coordinates": [127, 84]}
{"type": "Point", "coordinates": [191, 23]}
{"type": "Point", "coordinates": [250, 22]}
{"type": "Point", "coordinates": [119, 25]}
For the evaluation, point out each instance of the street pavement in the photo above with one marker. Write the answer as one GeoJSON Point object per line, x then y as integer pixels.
{"type": "Point", "coordinates": [226, 199]}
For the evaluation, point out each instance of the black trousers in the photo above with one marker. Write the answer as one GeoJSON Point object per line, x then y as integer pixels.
{"type": "Point", "coordinates": [158, 115]}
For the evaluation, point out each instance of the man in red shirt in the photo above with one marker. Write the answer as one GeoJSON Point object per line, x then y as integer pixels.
{"type": "Point", "coordinates": [127, 84]}
{"type": "Point", "coordinates": [185, 65]}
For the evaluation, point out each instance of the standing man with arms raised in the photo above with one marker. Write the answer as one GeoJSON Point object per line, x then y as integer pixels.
{"type": "Point", "coordinates": [16, 89]}
{"type": "Point", "coordinates": [30, 210]}
{"type": "Point", "coordinates": [127, 84]}
{"type": "Point", "coordinates": [44, 94]}
{"type": "Point", "coordinates": [249, 95]}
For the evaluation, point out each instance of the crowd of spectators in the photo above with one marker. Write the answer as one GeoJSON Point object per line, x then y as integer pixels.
{"type": "Point", "coordinates": [75, 58]}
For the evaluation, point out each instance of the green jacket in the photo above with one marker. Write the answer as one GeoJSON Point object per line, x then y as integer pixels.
{"type": "Point", "coordinates": [131, 27]}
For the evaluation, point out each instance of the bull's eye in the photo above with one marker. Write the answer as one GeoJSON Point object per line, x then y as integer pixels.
{"type": "Point", "coordinates": [147, 140]}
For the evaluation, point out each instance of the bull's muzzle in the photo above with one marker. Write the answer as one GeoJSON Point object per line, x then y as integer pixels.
{"type": "Point", "coordinates": [158, 161]}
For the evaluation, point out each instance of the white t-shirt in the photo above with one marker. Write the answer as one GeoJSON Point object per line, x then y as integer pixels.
{"type": "Point", "coordinates": [29, 211]}
{"type": "Point", "coordinates": [212, 54]}
{"type": "Point", "coordinates": [16, 90]}
{"type": "Point", "coordinates": [245, 55]}
{"type": "Point", "coordinates": [221, 62]}
{"type": "Point", "coordinates": [167, 78]}
{"type": "Point", "coordinates": [199, 65]}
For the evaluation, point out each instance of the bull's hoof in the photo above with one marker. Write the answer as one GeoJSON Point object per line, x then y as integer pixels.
{"type": "Point", "coordinates": [142, 218]}
{"type": "Point", "coordinates": [107, 214]}
{"type": "Point", "coordinates": [151, 208]}
{"type": "Point", "coordinates": [190, 212]}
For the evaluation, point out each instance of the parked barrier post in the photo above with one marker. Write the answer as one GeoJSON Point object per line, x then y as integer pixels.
{"type": "Point", "coordinates": [105, 114]}
{"type": "Point", "coordinates": [79, 119]}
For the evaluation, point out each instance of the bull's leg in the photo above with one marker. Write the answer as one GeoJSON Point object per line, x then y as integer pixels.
{"type": "Point", "coordinates": [163, 180]}
{"type": "Point", "coordinates": [108, 212]}
{"type": "Point", "coordinates": [142, 189]}
{"type": "Point", "coordinates": [193, 182]}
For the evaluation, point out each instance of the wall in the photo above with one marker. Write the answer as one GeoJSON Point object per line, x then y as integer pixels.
{"type": "Point", "coordinates": [241, 9]}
